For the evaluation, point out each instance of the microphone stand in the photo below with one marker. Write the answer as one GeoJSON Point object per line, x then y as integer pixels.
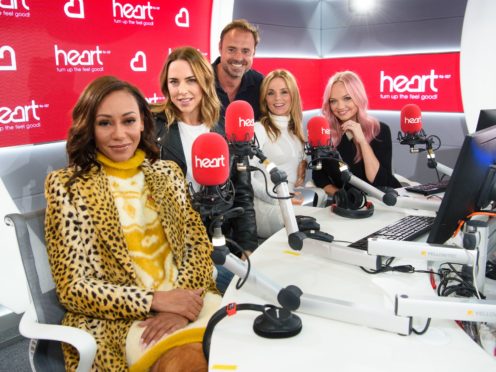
{"type": "Point", "coordinates": [389, 198]}
{"type": "Point", "coordinates": [413, 140]}
{"type": "Point", "coordinates": [432, 163]}
{"type": "Point", "coordinates": [292, 298]}
{"type": "Point", "coordinates": [315, 242]}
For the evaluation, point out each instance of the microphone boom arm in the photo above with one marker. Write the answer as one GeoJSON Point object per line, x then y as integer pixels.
{"type": "Point", "coordinates": [315, 242]}
{"type": "Point", "coordinates": [293, 299]}
{"type": "Point", "coordinates": [389, 197]}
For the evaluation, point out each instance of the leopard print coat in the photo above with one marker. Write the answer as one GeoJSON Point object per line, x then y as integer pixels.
{"type": "Point", "coordinates": [94, 276]}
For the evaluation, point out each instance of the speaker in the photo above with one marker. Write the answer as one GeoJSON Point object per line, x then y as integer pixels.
{"type": "Point", "coordinates": [352, 203]}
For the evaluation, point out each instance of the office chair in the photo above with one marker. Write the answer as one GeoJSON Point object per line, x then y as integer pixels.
{"type": "Point", "coordinates": [41, 321]}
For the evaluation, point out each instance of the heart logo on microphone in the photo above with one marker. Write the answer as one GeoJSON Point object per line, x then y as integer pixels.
{"type": "Point", "coordinates": [182, 18]}
{"type": "Point", "coordinates": [73, 11]}
{"type": "Point", "coordinates": [138, 63]}
{"type": "Point", "coordinates": [7, 52]}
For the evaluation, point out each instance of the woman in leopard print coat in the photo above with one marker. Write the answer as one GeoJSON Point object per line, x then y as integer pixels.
{"type": "Point", "coordinates": [95, 257]}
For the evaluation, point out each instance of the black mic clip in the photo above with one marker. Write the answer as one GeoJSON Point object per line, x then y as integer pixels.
{"type": "Point", "coordinates": [212, 201]}
{"type": "Point", "coordinates": [411, 140]}
{"type": "Point", "coordinates": [320, 153]}
{"type": "Point", "coordinates": [241, 151]}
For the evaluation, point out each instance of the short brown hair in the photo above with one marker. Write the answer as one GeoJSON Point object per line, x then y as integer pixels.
{"type": "Point", "coordinates": [241, 24]}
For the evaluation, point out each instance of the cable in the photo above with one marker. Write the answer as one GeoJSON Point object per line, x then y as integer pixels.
{"type": "Point", "coordinates": [251, 168]}
{"type": "Point", "coordinates": [229, 310]}
{"type": "Point", "coordinates": [387, 267]}
{"type": "Point", "coordinates": [276, 322]}
{"type": "Point", "coordinates": [450, 275]}
{"type": "Point", "coordinates": [427, 324]}
{"type": "Point", "coordinates": [431, 141]}
{"type": "Point", "coordinates": [462, 222]}
{"type": "Point", "coordinates": [241, 281]}
{"type": "Point", "coordinates": [490, 270]}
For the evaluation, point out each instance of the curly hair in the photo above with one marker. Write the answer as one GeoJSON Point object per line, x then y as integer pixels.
{"type": "Point", "coordinates": [81, 144]}
{"type": "Point", "coordinates": [204, 74]}
{"type": "Point", "coordinates": [295, 112]}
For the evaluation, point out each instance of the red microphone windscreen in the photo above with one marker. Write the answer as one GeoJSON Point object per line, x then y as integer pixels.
{"type": "Point", "coordinates": [411, 119]}
{"type": "Point", "coordinates": [210, 159]}
{"type": "Point", "coordinates": [319, 132]}
{"type": "Point", "coordinates": [240, 122]}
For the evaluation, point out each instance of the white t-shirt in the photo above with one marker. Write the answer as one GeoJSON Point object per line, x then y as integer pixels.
{"type": "Point", "coordinates": [188, 134]}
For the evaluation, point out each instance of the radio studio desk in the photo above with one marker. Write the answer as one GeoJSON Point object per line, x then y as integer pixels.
{"type": "Point", "coordinates": [331, 345]}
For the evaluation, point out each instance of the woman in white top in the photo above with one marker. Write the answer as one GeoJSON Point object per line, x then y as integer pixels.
{"type": "Point", "coordinates": [280, 136]}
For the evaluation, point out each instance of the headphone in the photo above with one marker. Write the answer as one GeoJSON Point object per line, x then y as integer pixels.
{"type": "Point", "coordinates": [352, 203]}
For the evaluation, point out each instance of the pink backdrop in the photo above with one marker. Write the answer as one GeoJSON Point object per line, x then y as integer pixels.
{"type": "Point", "coordinates": [430, 80]}
{"type": "Point", "coordinates": [50, 50]}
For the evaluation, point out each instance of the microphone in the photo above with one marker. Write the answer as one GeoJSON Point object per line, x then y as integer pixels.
{"type": "Point", "coordinates": [319, 142]}
{"type": "Point", "coordinates": [210, 168]}
{"type": "Point", "coordinates": [411, 125]}
{"type": "Point", "coordinates": [240, 131]}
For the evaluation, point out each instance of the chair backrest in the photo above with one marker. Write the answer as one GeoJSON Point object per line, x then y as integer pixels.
{"type": "Point", "coordinates": [30, 233]}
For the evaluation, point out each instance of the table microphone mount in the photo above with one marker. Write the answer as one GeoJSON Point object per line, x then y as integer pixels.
{"type": "Point", "coordinates": [275, 322]}
{"type": "Point", "coordinates": [422, 139]}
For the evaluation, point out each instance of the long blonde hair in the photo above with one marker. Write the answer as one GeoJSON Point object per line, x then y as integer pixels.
{"type": "Point", "coordinates": [295, 113]}
{"type": "Point", "coordinates": [204, 74]}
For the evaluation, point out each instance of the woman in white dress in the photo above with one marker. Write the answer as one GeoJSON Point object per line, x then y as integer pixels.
{"type": "Point", "coordinates": [280, 136]}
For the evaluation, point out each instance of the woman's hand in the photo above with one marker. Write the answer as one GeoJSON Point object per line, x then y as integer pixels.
{"type": "Point", "coordinates": [159, 325]}
{"type": "Point", "coordinates": [356, 129]}
{"type": "Point", "coordinates": [185, 302]}
{"type": "Point", "coordinates": [297, 199]}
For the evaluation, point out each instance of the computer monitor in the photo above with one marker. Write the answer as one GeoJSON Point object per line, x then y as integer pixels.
{"type": "Point", "coordinates": [477, 155]}
{"type": "Point", "coordinates": [487, 118]}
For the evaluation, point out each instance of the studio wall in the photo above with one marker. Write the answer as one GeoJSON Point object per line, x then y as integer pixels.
{"type": "Point", "coordinates": [50, 50]}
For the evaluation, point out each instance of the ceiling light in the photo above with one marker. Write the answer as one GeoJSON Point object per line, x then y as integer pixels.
{"type": "Point", "coordinates": [361, 6]}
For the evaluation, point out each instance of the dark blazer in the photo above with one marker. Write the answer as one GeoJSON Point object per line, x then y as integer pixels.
{"type": "Point", "coordinates": [241, 229]}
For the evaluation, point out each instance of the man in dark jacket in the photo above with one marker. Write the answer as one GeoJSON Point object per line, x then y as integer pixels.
{"type": "Point", "coordinates": [234, 78]}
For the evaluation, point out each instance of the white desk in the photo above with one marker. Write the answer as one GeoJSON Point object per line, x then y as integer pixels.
{"type": "Point", "coordinates": [329, 345]}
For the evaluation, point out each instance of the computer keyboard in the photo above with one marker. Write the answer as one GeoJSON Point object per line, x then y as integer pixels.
{"type": "Point", "coordinates": [429, 188]}
{"type": "Point", "coordinates": [407, 228]}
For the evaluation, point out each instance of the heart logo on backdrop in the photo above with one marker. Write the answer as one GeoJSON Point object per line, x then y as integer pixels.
{"type": "Point", "coordinates": [182, 18]}
{"type": "Point", "coordinates": [138, 63]}
{"type": "Point", "coordinates": [73, 11]}
{"type": "Point", "coordinates": [7, 59]}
